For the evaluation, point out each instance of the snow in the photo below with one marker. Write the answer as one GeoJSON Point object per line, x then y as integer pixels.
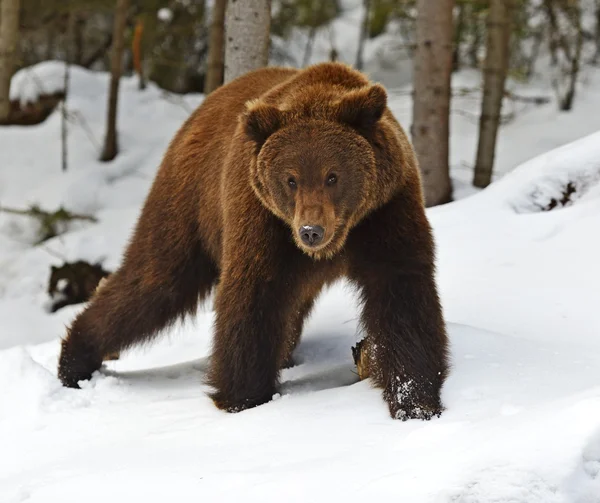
{"type": "Point", "coordinates": [519, 288]}
{"type": "Point", "coordinates": [30, 82]}
{"type": "Point", "coordinates": [165, 15]}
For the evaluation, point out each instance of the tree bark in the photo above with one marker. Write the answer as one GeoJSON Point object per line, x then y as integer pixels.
{"type": "Point", "coordinates": [71, 34]}
{"type": "Point", "coordinates": [472, 20]}
{"type": "Point", "coordinates": [312, 32]}
{"type": "Point", "coordinates": [566, 102]}
{"type": "Point", "coordinates": [574, 14]}
{"type": "Point", "coordinates": [110, 143]}
{"type": "Point", "coordinates": [494, 78]}
{"type": "Point", "coordinates": [566, 44]}
{"type": "Point", "coordinates": [138, 52]}
{"type": "Point", "coordinates": [78, 38]}
{"type": "Point", "coordinates": [431, 98]}
{"type": "Point", "coordinates": [247, 27]}
{"type": "Point", "coordinates": [364, 32]}
{"type": "Point", "coordinates": [9, 36]}
{"type": "Point", "coordinates": [216, 50]}
{"type": "Point", "coordinates": [596, 57]}
{"type": "Point", "coordinates": [458, 36]}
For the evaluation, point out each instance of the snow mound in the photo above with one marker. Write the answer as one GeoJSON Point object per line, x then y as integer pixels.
{"type": "Point", "coordinates": [42, 79]}
{"type": "Point", "coordinates": [558, 178]}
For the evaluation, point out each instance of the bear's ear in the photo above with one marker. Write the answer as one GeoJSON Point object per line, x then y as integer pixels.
{"type": "Point", "coordinates": [362, 109]}
{"type": "Point", "coordinates": [261, 121]}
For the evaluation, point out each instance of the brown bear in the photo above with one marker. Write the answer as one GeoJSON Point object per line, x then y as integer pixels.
{"type": "Point", "coordinates": [279, 183]}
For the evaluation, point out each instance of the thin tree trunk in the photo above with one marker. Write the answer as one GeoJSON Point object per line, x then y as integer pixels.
{"type": "Point", "coordinates": [431, 97]}
{"type": "Point", "coordinates": [458, 36]}
{"type": "Point", "coordinates": [137, 52]}
{"type": "Point", "coordinates": [570, 44]}
{"type": "Point", "coordinates": [77, 40]}
{"type": "Point", "coordinates": [596, 58]}
{"type": "Point", "coordinates": [333, 53]}
{"type": "Point", "coordinates": [364, 32]}
{"type": "Point", "coordinates": [473, 50]}
{"type": "Point", "coordinates": [554, 34]}
{"type": "Point", "coordinates": [216, 48]}
{"type": "Point", "coordinates": [247, 29]}
{"type": "Point", "coordinates": [50, 37]}
{"type": "Point", "coordinates": [309, 43]}
{"type": "Point", "coordinates": [110, 143]}
{"type": "Point", "coordinates": [65, 114]}
{"type": "Point", "coordinates": [9, 36]}
{"type": "Point", "coordinates": [535, 51]}
{"type": "Point", "coordinates": [494, 77]}
{"type": "Point", "coordinates": [574, 14]}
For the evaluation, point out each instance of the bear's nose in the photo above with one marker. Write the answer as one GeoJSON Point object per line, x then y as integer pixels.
{"type": "Point", "coordinates": [311, 235]}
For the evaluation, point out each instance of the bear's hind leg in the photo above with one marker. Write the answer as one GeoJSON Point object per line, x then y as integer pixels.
{"type": "Point", "coordinates": [130, 309]}
{"type": "Point", "coordinates": [166, 271]}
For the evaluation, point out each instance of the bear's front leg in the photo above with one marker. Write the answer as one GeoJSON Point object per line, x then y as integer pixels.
{"type": "Point", "coordinates": [253, 311]}
{"type": "Point", "coordinates": [249, 339]}
{"type": "Point", "coordinates": [407, 344]}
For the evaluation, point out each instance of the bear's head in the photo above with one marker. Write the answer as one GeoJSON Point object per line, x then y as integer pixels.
{"type": "Point", "coordinates": [315, 166]}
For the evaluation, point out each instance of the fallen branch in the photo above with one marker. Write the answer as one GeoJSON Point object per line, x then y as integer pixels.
{"type": "Point", "coordinates": [48, 220]}
{"type": "Point", "coordinates": [536, 100]}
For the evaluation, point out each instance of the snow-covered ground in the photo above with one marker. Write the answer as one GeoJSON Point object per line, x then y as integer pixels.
{"type": "Point", "coordinates": [520, 289]}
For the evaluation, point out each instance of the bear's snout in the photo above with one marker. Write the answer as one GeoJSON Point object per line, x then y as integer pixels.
{"type": "Point", "coordinates": [311, 235]}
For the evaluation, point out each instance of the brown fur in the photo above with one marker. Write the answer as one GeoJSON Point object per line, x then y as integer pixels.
{"type": "Point", "coordinates": [222, 212]}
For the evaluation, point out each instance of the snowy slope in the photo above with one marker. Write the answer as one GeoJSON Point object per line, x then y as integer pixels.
{"type": "Point", "coordinates": [520, 289]}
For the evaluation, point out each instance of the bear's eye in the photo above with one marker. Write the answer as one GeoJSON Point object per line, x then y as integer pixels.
{"type": "Point", "coordinates": [332, 179]}
{"type": "Point", "coordinates": [292, 182]}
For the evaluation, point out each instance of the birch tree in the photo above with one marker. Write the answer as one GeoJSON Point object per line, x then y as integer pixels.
{"type": "Point", "coordinates": [247, 27]}
{"type": "Point", "coordinates": [431, 99]}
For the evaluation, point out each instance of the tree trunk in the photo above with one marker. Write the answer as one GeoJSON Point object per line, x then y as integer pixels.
{"type": "Point", "coordinates": [574, 14]}
{"type": "Point", "coordinates": [9, 35]}
{"type": "Point", "coordinates": [596, 57]}
{"type": "Point", "coordinates": [472, 23]}
{"type": "Point", "coordinates": [216, 50]}
{"type": "Point", "coordinates": [431, 97]}
{"type": "Point", "coordinates": [566, 44]}
{"type": "Point", "coordinates": [138, 53]}
{"type": "Point", "coordinates": [309, 43]}
{"type": "Point", "coordinates": [458, 37]}
{"type": "Point", "coordinates": [364, 32]}
{"type": "Point", "coordinates": [494, 77]}
{"type": "Point", "coordinates": [77, 39]}
{"type": "Point", "coordinates": [50, 37]}
{"type": "Point", "coordinates": [110, 143]}
{"type": "Point", "coordinates": [71, 34]}
{"type": "Point", "coordinates": [566, 102]}
{"type": "Point", "coordinates": [247, 29]}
